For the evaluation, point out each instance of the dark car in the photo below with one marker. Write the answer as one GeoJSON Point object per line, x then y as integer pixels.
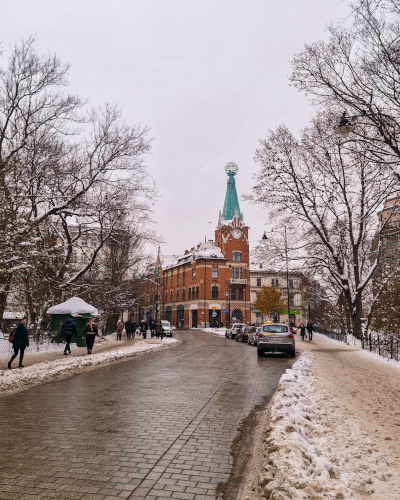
{"type": "Point", "coordinates": [244, 333]}
{"type": "Point", "coordinates": [276, 337]}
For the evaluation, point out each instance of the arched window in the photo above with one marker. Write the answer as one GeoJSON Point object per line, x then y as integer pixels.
{"type": "Point", "coordinates": [240, 297]}
{"type": "Point", "coordinates": [190, 294]}
{"type": "Point", "coordinates": [168, 313]}
{"type": "Point", "coordinates": [214, 291]}
{"type": "Point", "coordinates": [180, 314]}
{"type": "Point", "coordinates": [236, 256]}
{"type": "Point", "coordinates": [237, 316]}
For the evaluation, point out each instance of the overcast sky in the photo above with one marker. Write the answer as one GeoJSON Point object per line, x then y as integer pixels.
{"type": "Point", "coordinates": [208, 76]}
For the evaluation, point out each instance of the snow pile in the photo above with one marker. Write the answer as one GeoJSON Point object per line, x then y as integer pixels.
{"type": "Point", "coordinates": [312, 449]}
{"type": "Point", "coordinates": [6, 348]}
{"type": "Point", "coordinates": [217, 331]}
{"type": "Point", "coordinates": [75, 307]}
{"type": "Point", "coordinates": [48, 371]}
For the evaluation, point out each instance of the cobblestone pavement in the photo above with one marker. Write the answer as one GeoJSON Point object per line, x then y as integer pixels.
{"type": "Point", "coordinates": [158, 426]}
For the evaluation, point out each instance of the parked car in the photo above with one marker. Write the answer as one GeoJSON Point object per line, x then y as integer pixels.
{"type": "Point", "coordinates": [232, 330]}
{"type": "Point", "coordinates": [252, 338]}
{"type": "Point", "coordinates": [244, 332]}
{"type": "Point", "coordinates": [276, 337]}
{"type": "Point", "coordinates": [167, 328]}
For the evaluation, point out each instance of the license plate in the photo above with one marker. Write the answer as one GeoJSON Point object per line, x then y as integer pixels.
{"type": "Point", "coordinates": [275, 339]}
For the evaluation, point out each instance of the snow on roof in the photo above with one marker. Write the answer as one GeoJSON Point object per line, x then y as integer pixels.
{"type": "Point", "coordinates": [209, 249]}
{"type": "Point", "coordinates": [75, 307]}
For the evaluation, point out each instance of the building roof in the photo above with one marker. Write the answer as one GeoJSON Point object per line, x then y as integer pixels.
{"type": "Point", "coordinates": [231, 198]}
{"type": "Point", "coordinates": [207, 249]}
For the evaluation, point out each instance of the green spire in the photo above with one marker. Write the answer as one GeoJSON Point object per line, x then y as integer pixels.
{"type": "Point", "coordinates": [231, 197]}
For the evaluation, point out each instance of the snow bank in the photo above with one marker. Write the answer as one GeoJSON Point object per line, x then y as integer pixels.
{"type": "Point", "coordinates": [310, 449]}
{"type": "Point", "coordinates": [217, 331]}
{"type": "Point", "coordinates": [6, 349]}
{"type": "Point", "coordinates": [74, 306]}
{"type": "Point", "coordinates": [48, 371]}
{"type": "Point", "coordinates": [377, 357]}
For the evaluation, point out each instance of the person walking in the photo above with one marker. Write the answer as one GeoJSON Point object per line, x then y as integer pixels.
{"type": "Point", "coordinates": [134, 328]}
{"type": "Point", "coordinates": [90, 332]}
{"type": "Point", "coordinates": [158, 329]}
{"type": "Point", "coordinates": [143, 328]}
{"type": "Point", "coordinates": [120, 327]}
{"type": "Point", "coordinates": [20, 342]}
{"type": "Point", "coordinates": [152, 327]}
{"type": "Point", "coordinates": [68, 330]}
{"type": "Point", "coordinates": [310, 329]}
{"type": "Point", "coordinates": [302, 329]}
{"type": "Point", "coordinates": [129, 329]}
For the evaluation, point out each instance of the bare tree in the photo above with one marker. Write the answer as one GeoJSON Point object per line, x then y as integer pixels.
{"type": "Point", "coordinates": [333, 194]}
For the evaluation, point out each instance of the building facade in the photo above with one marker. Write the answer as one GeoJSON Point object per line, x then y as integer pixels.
{"type": "Point", "coordinates": [209, 284]}
{"type": "Point", "coordinates": [260, 276]}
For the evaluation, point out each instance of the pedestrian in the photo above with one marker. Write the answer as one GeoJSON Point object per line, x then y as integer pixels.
{"type": "Point", "coordinates": [162, 333]}
{"type": "Point", "coordinates": [302, 329]}
{"type": "Point", "coordinates": [68, 330]}
{"type": "Point", "coordinates": [120, 327]}
{"type": "Point", "coordinates": [90, 332]}
{"type": "Point", "coordinates": [20, 342]}
{"type": "Point", "coordinates": [129, 328]}
{"type": "Point", "coordinates": [143, 328]}
{"type": "Point", "coordinates": [152, 326]}
{"type": "Point", "coordinates": [177, 325]}
{"type": "Point", "coordinates": [158, 329]}
{"type": "Point", "coordinates": [134, 328]}
{"type": "Point", "coordinates": [310, 329]}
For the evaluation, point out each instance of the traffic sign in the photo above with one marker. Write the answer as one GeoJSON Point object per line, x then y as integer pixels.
{"type": "Point", "coordinates": [226, 311]}
{"type": "Point", "coordinates": [226, 294]}
{"type": "Point", "coordinates": [213, 308]}
{"type": "Point", "coordinates": [214, 313]}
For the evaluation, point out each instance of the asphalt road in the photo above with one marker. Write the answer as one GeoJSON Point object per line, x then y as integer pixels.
{"type": "Point", "coordinates": [164, 425]}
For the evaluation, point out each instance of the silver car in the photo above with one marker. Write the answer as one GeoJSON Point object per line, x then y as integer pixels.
{"type": "Point", "coordinates": [276, 337]}
{"type": "Point", "coordinates": [232, 330]}
{"type": "Point", "coordinates": [252, 339]}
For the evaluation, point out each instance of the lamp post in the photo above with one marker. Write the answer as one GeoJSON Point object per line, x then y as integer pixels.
{"type": "Point", "coordinates": [229, 299]}
{"type": "Point", "coordinates": [287, 268]}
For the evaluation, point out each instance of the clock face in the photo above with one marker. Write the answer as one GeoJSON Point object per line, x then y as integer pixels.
{"type": "Point", "coordinates": [236, 233]}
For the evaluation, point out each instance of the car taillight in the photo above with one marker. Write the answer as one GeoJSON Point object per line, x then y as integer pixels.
{"type": "Point", "coordinates": [260, 336]}
{"type": "Point", "coordinates": [290, 336]}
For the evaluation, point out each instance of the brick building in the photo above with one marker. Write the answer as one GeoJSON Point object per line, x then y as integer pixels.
{"type": "Point", "coordinates": [197, 286]}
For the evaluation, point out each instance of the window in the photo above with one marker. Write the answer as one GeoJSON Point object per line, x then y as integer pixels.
{"type": "Point", "coordinates": [215, 273]}
{"type": "Point", "coordinates": [193, 274]}
{"type": "Point", "coordinates": [233, 293]}
{"type": "Point", "coordinates": [84, 243]}
{"type": "Point", "coordinates": [171, 296]}
{"type": "Point", "coordinates": [291, 301]}
{"type": "Point", "coordinates": [197, 292]}
{"type": "Point", "coordinates": [177, 295]}
{"type": "Point", "coordinates": [166, 295]}
{"type": "Point", "coordinates": [214, 291]}
{"type": "Point", "coordinates": [240, 272]}
{"type": "Point", "coordinates": [233, 272]}
{"type": "Point", "coordinates": [84, 258]}
{"type": "Point", "coordinates": [172, 279]}
{"type": "Point", "coordinates": [258, 281]}
{"type": "Point", "coordinates": [237, 273]}
{"type": "Point", "coordinates": [275, 282]}
{"type": "Point", "coordinates": [183, 277]}
{"type": "Point", "coordinates": [183, 295]}
{"type": "Point", "coordinates": [177, 279]}
{"type": "Point", "coordinates": [290, 283]}
{"type": "Point", "coordinates": [190, 294]}
{"type": "Point", "coordinates": [240, 294]}
{"type": "Point", "coordinates": [236, 256]}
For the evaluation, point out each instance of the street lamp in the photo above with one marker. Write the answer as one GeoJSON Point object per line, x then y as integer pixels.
{"type": "Point", "coordinates": [344, 127]}
{"type": "Point", "coordinates": [287, 268]}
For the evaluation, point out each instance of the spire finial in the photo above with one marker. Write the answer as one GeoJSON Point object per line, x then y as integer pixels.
{"type": "Point", "coordinates": [231, 169]}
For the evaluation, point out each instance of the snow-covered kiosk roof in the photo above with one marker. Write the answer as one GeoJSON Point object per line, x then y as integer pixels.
{"type": "Point", "coordinates": [76, 307]}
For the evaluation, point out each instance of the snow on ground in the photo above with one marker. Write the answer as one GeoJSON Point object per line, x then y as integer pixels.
{"type": "Point", "coordinates": [310, 450]}
{"type": "Point", "coordinates": [17, 379]}
{"type": "Point", "coordinates": [6, 350]}
{"type": "Point", "coordinates": [217, 331]}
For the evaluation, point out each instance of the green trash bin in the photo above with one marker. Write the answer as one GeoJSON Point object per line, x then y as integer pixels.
{"type": "Point", "coordinates": [79, 310]}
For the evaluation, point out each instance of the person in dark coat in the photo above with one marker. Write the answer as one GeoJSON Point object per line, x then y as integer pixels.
{"type": "Point", "coordinates": [302, 329]}
{"type": "Point", "coordinates": [134, 328]}
{"type": "Point", "coordinates": [90, 332]}
{"type": "Point", "coordinates": [21, 341]}
{"type": "Point", "coordinates": [152, 326]}
{"type": "Point", "coordinates": [158, 329]}
{"type": "Point", "coordinates": [67, 331]}
{"type": "Point", "coordinates": [143, 328]}
{"type": "Point", "coordinates": [129, 328]}
{"type": "Point", "coordinates": [310, 329]}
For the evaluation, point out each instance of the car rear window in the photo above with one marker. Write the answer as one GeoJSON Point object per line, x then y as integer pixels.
{"type": "Point", "coordinates": [275, 329]}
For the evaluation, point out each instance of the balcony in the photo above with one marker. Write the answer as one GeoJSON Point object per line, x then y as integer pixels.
{"type": "Point", "coordinates": [237, 281]}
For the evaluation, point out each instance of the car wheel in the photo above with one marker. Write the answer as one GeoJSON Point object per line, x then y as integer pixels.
{"type": "Point", "coordinates": [293, 354]}
{"type": "Point", "coordinates": [259, 353]}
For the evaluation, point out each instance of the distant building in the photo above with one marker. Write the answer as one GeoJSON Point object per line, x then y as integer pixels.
{"type": "Point", "coordinates": [199, 285]}
{"type": "Point", "coordinates": [260, 276]}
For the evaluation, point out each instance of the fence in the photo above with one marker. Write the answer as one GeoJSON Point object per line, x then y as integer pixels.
{"type": "Point", "coordinates": [387, 346]}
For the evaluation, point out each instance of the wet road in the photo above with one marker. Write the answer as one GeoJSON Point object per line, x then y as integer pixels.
{"type": "Point", "coordinates": [158, 426]}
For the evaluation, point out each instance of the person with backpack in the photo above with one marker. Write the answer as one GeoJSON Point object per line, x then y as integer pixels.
{"type": "Point", "coordinates": [68, 330]}
{"type": "Point", "coordinates": [310, 329]}
{"type": "Point", "coordinates": [90, 332]}
{"type": "Point", "coordinates": [20, 341]}
{"type": "Point", "coordinates": [302, 329]}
